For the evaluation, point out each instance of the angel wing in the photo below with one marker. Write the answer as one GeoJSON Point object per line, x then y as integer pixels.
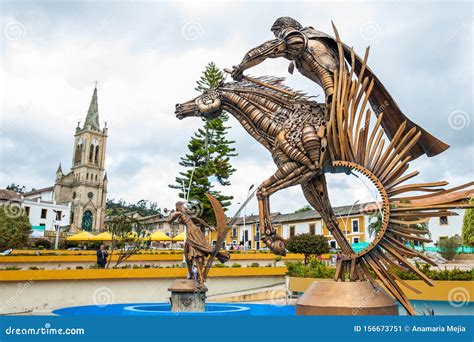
{"type": "Point", "coordinates": [222, 225]}
{"type": "Point", "coordinates": [221, 221]}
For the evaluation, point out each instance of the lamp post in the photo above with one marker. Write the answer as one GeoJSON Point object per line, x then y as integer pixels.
{"type": "Point", "coordinates": [57, 228]}
{"type": "Point", "coordinates": [245, 215]}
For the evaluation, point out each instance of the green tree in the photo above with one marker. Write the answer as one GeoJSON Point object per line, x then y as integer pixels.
{"type": "Point", "coordinates": [208, 160]}
{"type": "Point", "coordinates": [424, 227]}
{"type": "Point", "coordinates": [128, 236]}
{"type": "Point", "coordinates": [376, 223]}
{"type": "Point", "coordinates": [142, 207]}
{"type": "Point", "coordinates": [210, 78]}
{"type": "Point", "coordinates": [14, 226]}
{"type": "Point", "coordinates": [303, 209]}
{"type": "Point", "coordinates": [16, 187]}
{"type": "Point", "coordinates": [468, 226]}
{"type": "Point", "coordinates": [448, 247]}
{"type": "Point", "coordinates": [308, 245]}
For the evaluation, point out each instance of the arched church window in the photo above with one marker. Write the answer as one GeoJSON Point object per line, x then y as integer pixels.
{"type": "Point", "coordinates": [93, 148]}
{"type": "Point", "coordinates": [78, 153]}
{"type": "Point", "coordinates": [87, 221]}
{"type": "Point", "coordinates": [91, 153]}
{"type": "Point", "coordinates": [96, 160]}
{"type": "Point", "coordinates": [74, 195]}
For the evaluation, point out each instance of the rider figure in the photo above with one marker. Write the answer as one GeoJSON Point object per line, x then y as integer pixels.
{"type": "Point", "coordinates": [305, 47]}
{"type": "Point", "coordinates": [315, 55]}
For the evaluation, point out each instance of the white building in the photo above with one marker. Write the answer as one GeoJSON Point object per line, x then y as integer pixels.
{"type": "Point", "coordinates": [45, 215]}
{"type": "Point", "coordinates": [446, 226]}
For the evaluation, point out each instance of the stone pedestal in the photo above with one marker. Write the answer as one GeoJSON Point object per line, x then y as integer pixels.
{"type": "Point", "coordinates": [345, 298]}
{"type": "Point", "coordinates": [186, 296]}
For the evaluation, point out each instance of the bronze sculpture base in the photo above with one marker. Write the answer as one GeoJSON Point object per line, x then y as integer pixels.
{"type": "Point", "coordinates": [187, 296]}
{"type": "Point", "coordinates": [345, 298]}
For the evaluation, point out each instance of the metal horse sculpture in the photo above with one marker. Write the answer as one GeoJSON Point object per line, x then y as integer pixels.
{"type": "Point", "coordinates": [308, 139]}
{"type": "Point", "coordinates": [286, 123]}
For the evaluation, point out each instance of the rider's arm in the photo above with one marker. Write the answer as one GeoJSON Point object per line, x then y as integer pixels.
{"type": "Point", "coordinates": [290, 45]}
{"type": "Point", "coordinates": [270, 49]}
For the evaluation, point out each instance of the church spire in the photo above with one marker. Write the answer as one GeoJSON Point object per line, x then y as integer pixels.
{"type": "Point", "coordinates": [92, 117]}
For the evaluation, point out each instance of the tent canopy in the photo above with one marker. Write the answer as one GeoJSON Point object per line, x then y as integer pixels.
{"type": "Point", "coordinates": [82, 236]}
{"type": "Point", "coordinates": [159, 236]}
{"type": "Point", "coordinates": [179, 237]}
{"type": "Point", "coordinates": [105, 236]}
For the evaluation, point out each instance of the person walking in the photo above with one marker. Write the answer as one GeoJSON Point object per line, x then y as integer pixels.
{"type": "Point", "coordinates": [102, 256]}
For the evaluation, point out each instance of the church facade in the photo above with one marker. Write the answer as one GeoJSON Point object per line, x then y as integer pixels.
{"type": "Point", "coordinates": [85, 185]}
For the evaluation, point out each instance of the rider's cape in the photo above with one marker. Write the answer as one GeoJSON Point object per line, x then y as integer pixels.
{"type": "Point", "coordinates": [381, 101]}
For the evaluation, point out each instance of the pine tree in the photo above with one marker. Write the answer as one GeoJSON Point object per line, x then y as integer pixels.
{"type": "Point", "coordinates": [209, 156]}
{"type": "Point", "coordinates": [211, 77]}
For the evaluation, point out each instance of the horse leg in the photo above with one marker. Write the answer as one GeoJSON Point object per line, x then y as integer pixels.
{"type": "Point", "coordinates": [288, 174]}
{"type": "Point", "coordinates": [315, 192]}
{"type": "Point", "coordinates": [274, 242]}
{"type": "Point", "coordinates": [269, 237]}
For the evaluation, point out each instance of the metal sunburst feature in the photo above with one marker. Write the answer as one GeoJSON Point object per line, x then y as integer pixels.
{"type": "Point", "coordinates": [308, 139]}
{"type": "Point", "coordinates": [355, 144]}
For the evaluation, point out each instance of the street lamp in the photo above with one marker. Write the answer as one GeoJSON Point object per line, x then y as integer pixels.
{"type": "Point", "coordinates": [57, 228]}
{"type": "Point", "coordinates": [245, 215]}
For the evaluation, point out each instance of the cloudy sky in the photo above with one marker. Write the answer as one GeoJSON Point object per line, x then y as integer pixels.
{"type": "Point", "coordinates": [146, 56]}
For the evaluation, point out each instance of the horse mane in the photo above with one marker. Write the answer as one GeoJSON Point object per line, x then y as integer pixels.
{"type": "Point", "coordinates": [247, 85]}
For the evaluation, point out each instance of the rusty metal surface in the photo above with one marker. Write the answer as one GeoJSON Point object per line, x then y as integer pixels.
{"type": "Point", "coordinates": [308, 139]}
{"type": "Point", "coordinates": [196, 246]}
{"type": "Point", "coordinates": [345, 298]}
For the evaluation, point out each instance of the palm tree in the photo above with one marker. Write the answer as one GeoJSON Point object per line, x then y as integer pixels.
{"type": "Point", "coordinates": [375, 225]}
{"type": "Point", "coordinates": [422, 226]}
{"type": "Point", "coordinates": [376, 222]}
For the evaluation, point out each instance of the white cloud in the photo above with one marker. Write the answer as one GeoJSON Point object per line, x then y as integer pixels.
{"type": "Point", "coordinates": [47, 80]}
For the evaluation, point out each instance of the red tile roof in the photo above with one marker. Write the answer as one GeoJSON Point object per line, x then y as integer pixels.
{"type": "Point", "coordinates": [34, 192]}
{"type": "Point", "coordinates": [9, 195]}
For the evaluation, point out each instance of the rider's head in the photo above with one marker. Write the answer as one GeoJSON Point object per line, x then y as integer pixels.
{"type": "Point", "coordinates": [283, 23]}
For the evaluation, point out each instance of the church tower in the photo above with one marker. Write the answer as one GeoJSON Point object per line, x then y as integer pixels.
{"type": "Point", "coordinates": [86, 184]}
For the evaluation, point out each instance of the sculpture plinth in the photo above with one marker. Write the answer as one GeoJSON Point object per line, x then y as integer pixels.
{"type": "Point", "coordinates": [345, 298]}
{"type": "Point", "coordinates": [187, 296]}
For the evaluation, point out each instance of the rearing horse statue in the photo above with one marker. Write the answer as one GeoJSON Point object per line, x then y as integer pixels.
{"type": "Point", "coordinates": [308, 139]}
{"type": "Point", "coordinates": [292, 127]}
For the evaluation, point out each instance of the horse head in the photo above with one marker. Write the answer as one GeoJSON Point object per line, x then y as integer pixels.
{"type": "Point", "coordinates": [207, 105]}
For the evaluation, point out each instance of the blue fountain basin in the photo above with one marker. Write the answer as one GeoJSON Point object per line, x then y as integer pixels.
{"type": "Point", "coordinates": [164, 309]}
{"type": "Point", "coordinates": [240, 309]}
